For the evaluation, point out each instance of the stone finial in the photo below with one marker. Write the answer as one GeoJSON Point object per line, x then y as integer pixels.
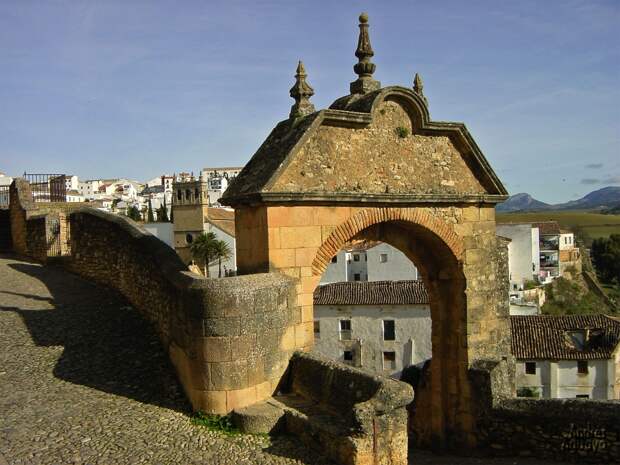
{"type": "Point", "coordinates": [418, 87]}
{"type": "Point", "coordinates": [301, 92]}
{"type": "Point", "coordinates": [364, 68]}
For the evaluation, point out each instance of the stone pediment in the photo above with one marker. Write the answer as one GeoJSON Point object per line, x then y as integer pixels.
{"type": "Point", "coordinates": [379, 147]}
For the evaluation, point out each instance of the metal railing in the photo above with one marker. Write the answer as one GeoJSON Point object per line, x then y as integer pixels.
{"type": "Point", "coordinates": [47, 187]}
{"type": "Point", "coordinates": [4, 197]}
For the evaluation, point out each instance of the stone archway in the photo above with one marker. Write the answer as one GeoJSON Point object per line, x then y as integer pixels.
{"type": "Point", "coordinates": [375, 165]}
{"type": "Point", "coordinates": [444, 412]}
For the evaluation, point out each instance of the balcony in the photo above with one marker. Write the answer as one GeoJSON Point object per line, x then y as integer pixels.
{"type": "Point", "coordinates": [549, 244]}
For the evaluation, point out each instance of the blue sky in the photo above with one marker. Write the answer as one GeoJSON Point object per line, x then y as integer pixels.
{"type": "Point", "coordinates": [139, 88]}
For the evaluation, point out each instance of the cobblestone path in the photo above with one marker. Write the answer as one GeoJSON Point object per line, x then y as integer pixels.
{"type": "Point", "coordinates": [83, 380]}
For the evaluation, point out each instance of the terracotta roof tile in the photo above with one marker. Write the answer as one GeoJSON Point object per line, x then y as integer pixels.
{"type": "Point", "coordinates": [545, 337]}
{"type": "Point", "coordinates": [371, 293]}
{"type": "Point", "coordinates": [547, 227]}
{"type": "Point", "coordinates": [223, 219]}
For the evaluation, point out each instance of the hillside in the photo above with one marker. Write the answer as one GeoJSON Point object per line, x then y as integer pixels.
{"type": "Point", "coordinates": [587, 225]}
{"type": "Point", "coordinates": [601, 199]}
{"type": "Point", "coordinates": [522, 202]}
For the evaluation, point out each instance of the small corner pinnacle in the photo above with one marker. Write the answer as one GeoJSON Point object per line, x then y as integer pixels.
{"type": "Point", "coordinates": [418, 87]}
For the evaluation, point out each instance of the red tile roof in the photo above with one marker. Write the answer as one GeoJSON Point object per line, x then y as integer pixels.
{"type": "Point", "coordinates": [546, 337]}
{"type": "Point", "coordinates": [371, 293]}
{"type": "Point", "coordinates": [547, 227]}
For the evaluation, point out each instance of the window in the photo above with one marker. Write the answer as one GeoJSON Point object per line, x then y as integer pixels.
{"type": "Point", "coordinates": [389, 330]}
{"type": "Point", "coordinates": [317, 329]}
{"type": "Point", "coordinates": [188, 194]}
{"type": "Point", "coordinates": [582, 367]}
{"type": "Point", "coordinates": [383, 258]}
{"type": "Point", "coordinates": [335, 259]}
{"type": "Point", "coordinates": [357, 277]}
{"type": "Point", "coordinates": [582, 396]}
{"type": "Point", "coordinates": [345, 330]}
{"type": "Point", "coordinates": [179, 195]}
{"type": "Point", "coordinates": [347, 356]}
{"type": "Point", "coordinates": [530, 368]}
{"type": "Point", "coordinates": [189, 238]}
{"type": "Point", "coordinates": [389, 361]}
{"type": "Point", "coordinates": [356, 258]}
{"type": "Point", "coordinates": [196, 194]}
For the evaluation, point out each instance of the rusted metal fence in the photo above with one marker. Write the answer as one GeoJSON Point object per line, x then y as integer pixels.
{"type": "Point", "coordinates": [53, 237]}
{"type": "Point", "coordinates": [47, 187]}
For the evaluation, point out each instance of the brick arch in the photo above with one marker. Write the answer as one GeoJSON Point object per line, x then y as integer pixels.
{"type": "Point", "coordinates": [371, 216]}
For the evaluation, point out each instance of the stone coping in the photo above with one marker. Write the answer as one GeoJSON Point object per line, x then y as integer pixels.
{"type": "Point", "coordinates": [171, 265]}
{"type": "Point", "coordinates": [365, 390]}
{"type": "Point", "coordinates": [348, 198]}
{"type": "Point", "coordinates": [595, 411]}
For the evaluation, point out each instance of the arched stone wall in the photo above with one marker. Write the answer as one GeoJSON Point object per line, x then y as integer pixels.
{"type": "Point", "coordinates": [454, 247]}
{"type": "Point", "coordinates": [370, 216]}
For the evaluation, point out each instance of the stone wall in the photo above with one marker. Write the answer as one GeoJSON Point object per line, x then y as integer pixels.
{"type": "Point", "coordinates": [571, 430]}
{"type": "Point", "coordinates": [456, 252]}
{"type": "Point", "coordinates": [361, 418]}
{"type": "Point", "coordinates": [36, 237]}
{"type": "Point", "coordinates": [31, 223]}
{"type": "Point", "coordinates": [397, 160]}
{"type": "Point", "coordinates": [229, 339]}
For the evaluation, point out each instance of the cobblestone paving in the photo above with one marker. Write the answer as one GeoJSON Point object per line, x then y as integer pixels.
{"type": "Point", "coordinates": [83, 380]}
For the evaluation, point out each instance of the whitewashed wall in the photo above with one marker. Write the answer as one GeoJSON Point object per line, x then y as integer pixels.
{"type": "Point", "coordinates": [594, 383]}
{"type": "Point", "coordinates": [370, 268]}
{"type": "Point", "coordinates": [413, 334]}
{"type": "Point", "coordinates": [523, 251]}
{"type": "Point", "coordinates": [163, 231]}
{"type": "Point", "coordinates": [559, 379]}
{"type": "Point", "coordinates": [228, 264]}
{"type": "Point", "coordinates": [398, 266]}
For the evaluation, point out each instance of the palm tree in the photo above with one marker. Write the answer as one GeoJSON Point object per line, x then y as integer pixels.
{"type": "Point", "coordinates": [221, 251]}
{"type": "Point", "coordinates": [202, 249]}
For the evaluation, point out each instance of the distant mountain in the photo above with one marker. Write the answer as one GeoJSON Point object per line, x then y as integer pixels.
{"type": "Point", "coordinates": [522, 202]}
{"type": "Point", "coordinates": [606, 197]}
{"type": "Point", "coordinates": [601, 199]}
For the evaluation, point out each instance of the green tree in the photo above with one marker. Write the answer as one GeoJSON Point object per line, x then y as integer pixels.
{"type": "Point", "coordinates": [202, 249]}
{"type": "Point", "coordinates": [162, 213]}
{"type": "Point", "coordinates": [606, 258]}
{"type": "Point", "coordinates": [134, 213]}
{"type": "Point", "coordinates": [221, 251]}
{"type": "Point", "coordinates": [151, 217]}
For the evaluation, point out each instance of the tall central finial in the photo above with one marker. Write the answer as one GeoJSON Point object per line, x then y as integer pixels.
{"type": "Point", "coordinates": [301, 92]}
{"type": "Point", "coordinates": [364, 68]}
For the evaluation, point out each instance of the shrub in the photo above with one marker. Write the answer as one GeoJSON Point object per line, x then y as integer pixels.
{"type": "Point", "coordinates": [401, 132]}
{"type": "Point", "coordinates": [221, 423]}
{"type": "Point", "coordinates": [528, 392]}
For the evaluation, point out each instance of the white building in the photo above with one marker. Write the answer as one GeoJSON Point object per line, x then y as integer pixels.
{"type": "Point", "coordinates": [217, 180]}
{"type": "Point", "coordinates": [89, 188]}
{"type": "Point", "coordinates": [523, 252]}
{"type": "Point", "coordinates": [221, 222]}
{"type": "Point", "coordinates": [382, 326]}
{"type": "Point", "coordinates": [369, 261]}
{"type": "Point", "coordinates": [74, 195]}
{"type": "Point", "coordinates": [72, 183]}
{"type": "Point", "coordinates": [163, 231]}
{"type": "Point", "coordinates": [5, 182]}
{"type": "Point", "coordinates": [567, 356]}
